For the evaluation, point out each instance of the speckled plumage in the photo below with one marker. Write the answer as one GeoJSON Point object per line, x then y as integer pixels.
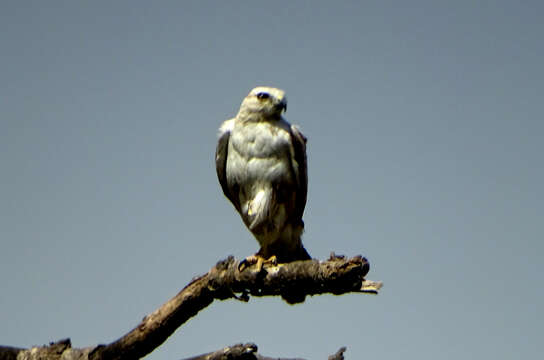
{"type": "Point", "coordinates": [261, 166]}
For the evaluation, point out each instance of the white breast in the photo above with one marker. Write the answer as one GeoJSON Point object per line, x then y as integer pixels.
{"type": "Point", "coordinates": [259, 152]}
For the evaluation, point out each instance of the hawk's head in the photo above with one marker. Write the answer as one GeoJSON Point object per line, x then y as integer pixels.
{"type": "Point", "coordinates": [266, 101]}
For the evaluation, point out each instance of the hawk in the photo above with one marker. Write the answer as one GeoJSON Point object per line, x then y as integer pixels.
{"type": "Point", "coordinates": [261, 165]}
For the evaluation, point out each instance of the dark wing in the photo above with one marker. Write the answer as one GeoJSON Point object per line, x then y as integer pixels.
{"type": "Point", "coordinates": [298, 141]}
{"type": "Point", "coordinates": [221, 154]}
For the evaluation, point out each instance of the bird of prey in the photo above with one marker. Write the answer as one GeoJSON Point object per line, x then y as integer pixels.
{"type": "Point", "coordinates": [261, 165]}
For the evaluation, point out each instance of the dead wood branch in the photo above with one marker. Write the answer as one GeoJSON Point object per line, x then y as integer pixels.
{"type": "Point", "coordinates": [292, 281]}
{"type": "Point", "coordinates": [249, 352]}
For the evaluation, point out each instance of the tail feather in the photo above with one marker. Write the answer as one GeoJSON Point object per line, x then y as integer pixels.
{"type": "Point", "coordinates": [278, 236]}
{"type": "Point", "coordinates": [288, 247]}
{"type": "Point", "coordinates": [303, 253]}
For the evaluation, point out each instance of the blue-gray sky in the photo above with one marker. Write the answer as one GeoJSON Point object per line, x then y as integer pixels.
{"type": "Point", "coordinates": [425, 130]}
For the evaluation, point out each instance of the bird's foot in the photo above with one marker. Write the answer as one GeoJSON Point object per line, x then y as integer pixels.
{"type": "Point", "coordinates": [257, 259]}
{"type": "Point", "coordinates": [270, 261]}
{"type": "Point", "coordinates": [249, 261]}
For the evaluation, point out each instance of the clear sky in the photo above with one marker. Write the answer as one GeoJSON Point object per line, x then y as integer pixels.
{"type": "Point", "coordinates": [425, 129]}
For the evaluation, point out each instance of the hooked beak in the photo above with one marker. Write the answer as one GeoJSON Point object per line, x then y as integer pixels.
{"type": "Point", "coordinates": [282, 106]}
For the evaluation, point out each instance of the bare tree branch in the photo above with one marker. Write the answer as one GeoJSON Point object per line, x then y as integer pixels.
{"type": "Point", "coordinates": [339, 354]}
{"type": "Point", "coordinates": [292, 281]}
{"type": "Point", "coordinates": [249, 352]}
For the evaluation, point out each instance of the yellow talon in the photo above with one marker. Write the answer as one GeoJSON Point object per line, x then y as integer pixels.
{"type": "Point", "coordinates": [258, 260]}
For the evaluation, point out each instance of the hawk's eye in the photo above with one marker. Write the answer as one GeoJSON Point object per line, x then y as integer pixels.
{"type": "Point", "coordinates": [263, 95]}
